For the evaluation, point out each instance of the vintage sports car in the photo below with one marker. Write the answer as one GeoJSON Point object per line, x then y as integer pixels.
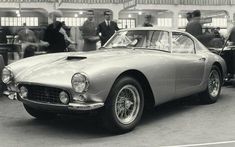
{"type": "Point", "coordinates": [228, 54]}
{"type": "Point", "coordinates": [136, 69]}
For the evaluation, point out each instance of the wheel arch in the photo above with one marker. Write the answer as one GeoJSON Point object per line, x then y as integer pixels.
{"type": "Point", "coordinates": [141, 78]}
{"type": "Point", "coordinates": [217, 64]}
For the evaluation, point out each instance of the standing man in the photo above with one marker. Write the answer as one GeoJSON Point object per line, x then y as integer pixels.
{"type": "Point", "coordinates": [194, 27]}
{"type": "Point", "coordinates": [53, 35]}
{"type": "Point", "coordinates": [28, 41]}
{"type": "Point", "coordinates": [107, 28]}
{"type": "Point", "coordinates": [147, 22]}
{"type": "Point", "coordinates": [89, 32]}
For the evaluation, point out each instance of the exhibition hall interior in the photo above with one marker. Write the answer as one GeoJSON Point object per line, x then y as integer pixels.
{"type": "Point", "coordinates": [130, 73]}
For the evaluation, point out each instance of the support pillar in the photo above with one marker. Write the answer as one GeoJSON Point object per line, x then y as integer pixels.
{"type": "Point", "coordinates": [175, 23]}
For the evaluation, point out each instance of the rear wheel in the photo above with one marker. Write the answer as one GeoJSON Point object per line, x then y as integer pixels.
{"type": "Point", "coordinates": [124, 105]}
{"type": "Point", "coordinates": [211, 94]}
{"type": "Point", "coordinates": [39, 114]}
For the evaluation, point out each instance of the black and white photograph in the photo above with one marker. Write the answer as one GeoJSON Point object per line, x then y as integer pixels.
{"type": "Point", "coordinates": [117, 73]}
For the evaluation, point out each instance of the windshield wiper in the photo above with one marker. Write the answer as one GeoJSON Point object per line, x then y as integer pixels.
{"type": "Point", "coordinates": [152, 49]}
{"type": "Point", "coordinates": [121, 46]}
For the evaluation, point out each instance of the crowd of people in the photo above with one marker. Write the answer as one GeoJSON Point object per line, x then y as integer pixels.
{"type": "Point", "coordinates": [208, 37]}
{"type": "Point", "coordinates": [57, 37]}
{"type": "Point", "coordinates": [60, 38]}
{"type": "Point", "coordinates": [87, 35]}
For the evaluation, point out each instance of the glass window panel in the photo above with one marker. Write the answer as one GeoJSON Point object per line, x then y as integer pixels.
{"type": "Point", "coordinates": [15, 21]}
{"type": "Point", "coordinates": [2, 21]}
{"type": "Point", "coordinates": [23, 20]}
{"type": "Point", "coordinates": [159, 40]}
{"type": "Point", "coordinates": [182, 44]}
{"type": "Point", "coordinates": [27, 21]}
{"type": "Point", "coordinates": [18, 21]}
{"type": "Point", "coordinates": [79, 22]}
{"type": "Point", "coordinates": [70, 22]}
{"type": "Point", "coordinates": [7, 21]}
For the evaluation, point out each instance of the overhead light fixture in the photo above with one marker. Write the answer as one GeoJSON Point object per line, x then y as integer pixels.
{"type": "Point", "coordinates": [129, 15]}
{"type": "Point", "coordinates": [75, 15]}
{"type": "Point", "coordinates": [18, 15]}
{"type": "Point", "coordinates": [140, 13]}
{"type": "Point", "coordinates": [80, 12]}
{"type": "Point", "coordinates": [17, 12]}
{"type": "Point", "coordinates": [180, 16]}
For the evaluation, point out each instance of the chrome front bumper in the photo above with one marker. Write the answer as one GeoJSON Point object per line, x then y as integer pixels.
{"type": "Point", "coordinates": [70, 106]}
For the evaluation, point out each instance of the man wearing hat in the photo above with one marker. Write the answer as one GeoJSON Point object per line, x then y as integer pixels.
{"type": "Point", "coordinates": [107, 28]}
{"type": "Point", "coordinates": [147, 22]}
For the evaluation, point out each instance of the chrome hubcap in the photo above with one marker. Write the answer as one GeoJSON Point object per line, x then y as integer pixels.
{"type": "Point", "coordinates": [214, 83]}
{"type": "Point", "coordinates": [127, 104]}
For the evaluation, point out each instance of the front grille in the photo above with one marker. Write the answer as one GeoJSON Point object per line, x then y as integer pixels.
{"type": "Point", "coordinates": [43, 94]}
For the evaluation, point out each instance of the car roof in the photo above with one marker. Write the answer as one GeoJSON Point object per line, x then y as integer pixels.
{"type": "Point", "coordinates": [155, 28]}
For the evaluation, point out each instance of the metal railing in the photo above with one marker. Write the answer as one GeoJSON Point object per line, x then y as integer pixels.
{"type": "Point", "coordinates": [67, 1]}
{"type": "Point", "coordinates": [163, 2]}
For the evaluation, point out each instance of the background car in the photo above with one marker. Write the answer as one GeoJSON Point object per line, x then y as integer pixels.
{"type": "Point", "coordinates": [2, 85]}
{"type": "Point", "coordinates": [228, 54]}
{"type": "Point", "coordinates": [136, 69]}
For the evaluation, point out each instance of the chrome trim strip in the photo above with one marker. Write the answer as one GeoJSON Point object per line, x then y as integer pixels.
{"type": "Point", "coordinates": [85, 106]}
{"type": "Point", "coordinates": [41, 103]}
{"type": "Point", "coordinates": [70, 106]}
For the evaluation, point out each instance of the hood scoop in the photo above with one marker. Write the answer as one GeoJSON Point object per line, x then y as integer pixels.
{"type": "Point", "coordinates": [75, 58]}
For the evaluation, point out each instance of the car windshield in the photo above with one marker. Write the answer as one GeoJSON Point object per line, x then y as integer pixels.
{"type": "Point", "coordinates": [154, 39]}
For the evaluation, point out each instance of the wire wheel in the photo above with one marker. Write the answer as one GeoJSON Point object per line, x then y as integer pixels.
{"type": "Point", "coordinates": [214, 83]}
{"type": "Point", "coordinates": [127, 104]}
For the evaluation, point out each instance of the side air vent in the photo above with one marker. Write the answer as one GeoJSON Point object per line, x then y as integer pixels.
{"type": "Point", "coordinates": [75, 58]}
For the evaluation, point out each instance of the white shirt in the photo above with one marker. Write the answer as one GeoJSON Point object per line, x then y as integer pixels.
{"type": "Point", "coordinates": [107, 22]}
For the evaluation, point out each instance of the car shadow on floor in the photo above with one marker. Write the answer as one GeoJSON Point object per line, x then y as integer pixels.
{"type": "Point", "coordinates": [230, 84]}
{"type": "Point", "coordinates": [90, 126]}
{"type": "Point", "coordinates": [172, 108]}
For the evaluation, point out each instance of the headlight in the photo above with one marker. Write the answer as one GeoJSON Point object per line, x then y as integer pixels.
{"type": "Point", "coordinates": [64, 97]}
{"type": "Point", "coordinates": [7, 76]}
{"type": "Point", "coordinates": [23, 92]}
{"type": "Point", "coordinates": [80, 83]}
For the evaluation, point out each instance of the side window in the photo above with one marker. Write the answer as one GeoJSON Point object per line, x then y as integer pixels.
{"type": "Point", "coordinates": [159, 40]}
{"type": "Point", "coordinates": [182, 43]}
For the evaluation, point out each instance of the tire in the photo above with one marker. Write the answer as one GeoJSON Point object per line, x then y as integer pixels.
{"type": "Point", "coordinates": [38, 114]}
{"type": "Point", "coordinates": [122, 112]}
{"type": "Point", "coordinates": [211, 94]}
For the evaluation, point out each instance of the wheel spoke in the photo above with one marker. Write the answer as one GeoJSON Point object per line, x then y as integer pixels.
{"type": "Point", "coordinates": [214, 83]}
{"type": "Point", "coordinates": [127, 104]}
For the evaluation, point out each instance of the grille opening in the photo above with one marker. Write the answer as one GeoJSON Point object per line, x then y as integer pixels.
{"type": "Point", "coordinates": [43, 94]}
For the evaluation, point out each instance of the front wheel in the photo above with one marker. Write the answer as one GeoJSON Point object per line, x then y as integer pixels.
{"type": "Point", "coordinates": [124, 105]}
{"type": "Point", "coordinates": [211, 94]}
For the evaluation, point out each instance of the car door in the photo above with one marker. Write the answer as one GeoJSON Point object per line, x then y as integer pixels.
{"type": "Point", "coordinates": [189, 65]}
{"type": "Point", "coordinates": [162, 67]}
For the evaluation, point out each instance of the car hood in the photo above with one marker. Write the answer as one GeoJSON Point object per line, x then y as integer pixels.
{"type": "Point", "coordinates": [58, 69]}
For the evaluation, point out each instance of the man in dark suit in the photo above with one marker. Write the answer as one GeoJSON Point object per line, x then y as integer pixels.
{"type": "Point", "coordinates": [194, 27]}
{"type": "Point", "coordinates": [107, 28]}
{"type": "Point", "coordinates": [53, 35]}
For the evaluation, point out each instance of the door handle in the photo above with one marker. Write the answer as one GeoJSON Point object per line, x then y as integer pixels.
{"type": "Point", "coordinates": [202, 59]}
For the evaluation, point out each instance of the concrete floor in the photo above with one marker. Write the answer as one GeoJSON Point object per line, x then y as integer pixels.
{"type": "Point", "coordinates": [182, 122]}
